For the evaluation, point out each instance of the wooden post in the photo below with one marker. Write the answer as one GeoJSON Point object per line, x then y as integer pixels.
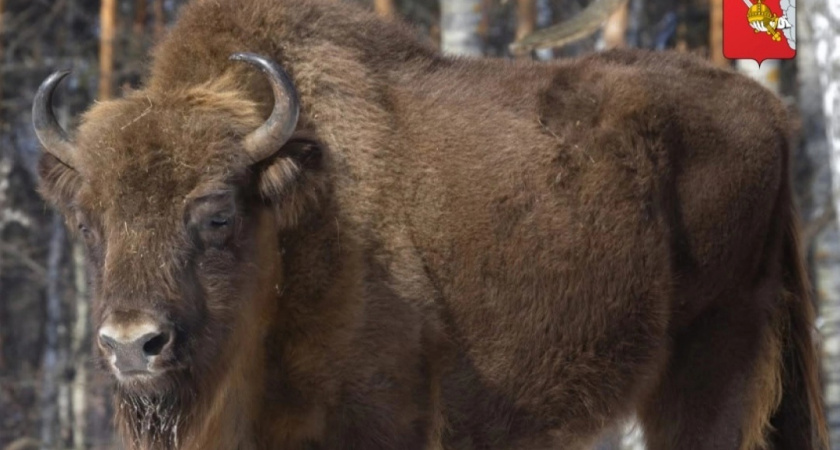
{"type": "Point", "coordinates": [107, 20]}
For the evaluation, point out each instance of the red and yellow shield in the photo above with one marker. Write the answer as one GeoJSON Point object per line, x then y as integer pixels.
{"type": "Point", "coordinates": [759, 29]}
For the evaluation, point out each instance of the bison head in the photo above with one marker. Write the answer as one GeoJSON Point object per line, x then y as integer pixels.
{"type": "Point", "coordinates": [176, 195]}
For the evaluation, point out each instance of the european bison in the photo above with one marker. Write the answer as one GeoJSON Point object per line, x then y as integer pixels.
{"type": "Point", "coordinates": [388, 248]}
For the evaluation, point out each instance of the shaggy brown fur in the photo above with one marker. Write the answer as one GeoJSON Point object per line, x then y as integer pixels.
{"type": "Point", "coordinates": [450, 253]}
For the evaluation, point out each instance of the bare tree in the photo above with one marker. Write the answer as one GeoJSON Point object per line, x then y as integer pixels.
{"type": "Point", "coordinates": [768, 73]}
{"type": "Point", "coordinates": [2, 31]}
{"type": "Point", "coordinates": [615, 28]}
{"type": "Point", "coordinates": [53, 357]}
{"type": "Point", "coordinates": [160, 18]}
{"type": "Point", "coordinates": [461, 22]}
{"type": "Point", "coordinates": [825, 29]}
{"type": "Point", "coordinates": [384, 8]}
{"type": "Point", "coordinates": [78, 350]}
{"type": "Point", "coordinates": [107, 21]}
{"type": "Point", "coordinates": [716, 33]}
{"type": "Point", "coordinates": [140, 15]}
{"type": "Point", "coordinates": [544, 18]}
{"type": "Point", "coordinates": [526, 18]}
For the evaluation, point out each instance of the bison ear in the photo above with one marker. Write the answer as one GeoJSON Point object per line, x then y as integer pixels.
{"type": "Point", "coordinates": [293, 182]}
{"type": "Point", "coordinates": [57, 183]}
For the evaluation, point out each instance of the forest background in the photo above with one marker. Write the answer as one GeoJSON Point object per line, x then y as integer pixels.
{"type": "Point", "coordinates": [53, 396]}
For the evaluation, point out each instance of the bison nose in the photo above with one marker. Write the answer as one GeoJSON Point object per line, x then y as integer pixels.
{"type": "Point", "coordinates": [132, 347]}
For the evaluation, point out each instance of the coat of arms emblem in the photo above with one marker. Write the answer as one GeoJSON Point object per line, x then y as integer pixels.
{"type": "Point", "coordinates": [759, 29]}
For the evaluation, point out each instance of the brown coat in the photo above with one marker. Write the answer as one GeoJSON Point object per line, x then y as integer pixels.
{"type": "Point", "coordinates": [449, 253]}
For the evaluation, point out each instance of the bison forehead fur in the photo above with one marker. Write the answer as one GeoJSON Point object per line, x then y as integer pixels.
{"type": "Point", "coordinates": [447, 253]}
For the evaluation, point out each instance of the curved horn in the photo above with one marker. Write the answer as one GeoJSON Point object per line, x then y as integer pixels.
{"type": "Point", "coordinates": [53, 138]}
{"type": "Point", "coordinates": [270, 136]}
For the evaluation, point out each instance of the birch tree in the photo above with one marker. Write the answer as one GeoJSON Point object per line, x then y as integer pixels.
{"type": "Point", "coordinates": [461, 22]}
{"type": "Point", "coordinates": [2, 31]}
{"type": "Point", "coordinates": [54, 358]}
{"type": "Point", "coordinates": [79, 350]}
{"type": "Point", "coordinates": [544, 19]}
{"type": "Point", "coordinates": [824, 19]}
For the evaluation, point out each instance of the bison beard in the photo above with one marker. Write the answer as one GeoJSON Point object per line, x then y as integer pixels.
{"type": "Point", "coordinates": [152, 419]}
{"type": "Point", "coordinates": [425, 252]}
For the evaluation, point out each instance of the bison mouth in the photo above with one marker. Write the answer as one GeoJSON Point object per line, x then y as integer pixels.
{"type": "Point", "coordinates": [151, 384]}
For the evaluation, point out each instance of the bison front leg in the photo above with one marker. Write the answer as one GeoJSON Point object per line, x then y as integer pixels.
{"type": "Point", "coordinates": [712, 387]}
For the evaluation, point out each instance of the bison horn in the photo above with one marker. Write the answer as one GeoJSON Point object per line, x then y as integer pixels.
{"type": "Point", "coordinates": [270, 136]}
{"type": "Point", "coordinates": [49, 132]}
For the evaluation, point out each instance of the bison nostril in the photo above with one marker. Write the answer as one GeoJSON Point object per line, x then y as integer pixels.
{"type": "Point", "coordinates": [107, 342]}
{"type": "Point", "coordinates": [133, 342]}
{"type": "Point", "coordinates": [156, 344]}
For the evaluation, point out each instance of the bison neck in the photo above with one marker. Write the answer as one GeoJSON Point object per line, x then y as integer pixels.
{"type": "Point", "coordinates": [231, 413]}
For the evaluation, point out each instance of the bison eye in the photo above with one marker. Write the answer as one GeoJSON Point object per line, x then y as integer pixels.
{"type": "Point", "coordinates": [85, 231]}
{"type": "Point", "coordinates": [213, 216]}
{"type": "Point", "coordinates": [216, 230]}
{"type": "Point", "coordinates": [219, 222]}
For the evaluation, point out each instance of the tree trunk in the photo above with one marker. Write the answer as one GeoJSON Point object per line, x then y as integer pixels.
{"type": "Point", "coordinates": [681, 44]}
{"type": "Point", "coordinates": [79, 349]}
{"type": "Point", "coordinates": [544, 19]}
{"type": "Point", "coordinates": [461, 27]}
{"type": "Point", "coordinates": [2, 131]}
{"type": "Point", "coordinates": [53, 359]}
{"type": "Point", "coordinates": [635, 18]}
{"type": "Point", "coordinates": [716, 34]}
{"type": "Point", "coordinates": [107, 21]}
{"type": "Point", "coordinates": [2, 31]}
{"type": "Point", "coordinates": [384, 8]}
{"type": "Point", "coordinates": [615, 29]}
{"type": "Point", "coordinates": [526, 17]}
{"type": "Point", "coordinates": [768, 74]}
{"type": "Point", "coordinates": [526, 20]}
{"type": "Point", "coordinates": [825, 26]}
{"type": "Point", "coordinates": [160, 19]}
{"type": "Point", "coordinates": [140, 15]}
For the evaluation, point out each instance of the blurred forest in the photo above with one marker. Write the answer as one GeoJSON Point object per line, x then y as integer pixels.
{"type": "Point", "coordinates": [52, 393]}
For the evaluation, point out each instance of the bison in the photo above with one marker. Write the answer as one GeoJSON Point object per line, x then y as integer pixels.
{"type": "Point", "coordinates": [366, 244]}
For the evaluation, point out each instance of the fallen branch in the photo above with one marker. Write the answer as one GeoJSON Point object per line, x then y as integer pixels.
{"type": "Point", "coordinates": [582, 25]}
